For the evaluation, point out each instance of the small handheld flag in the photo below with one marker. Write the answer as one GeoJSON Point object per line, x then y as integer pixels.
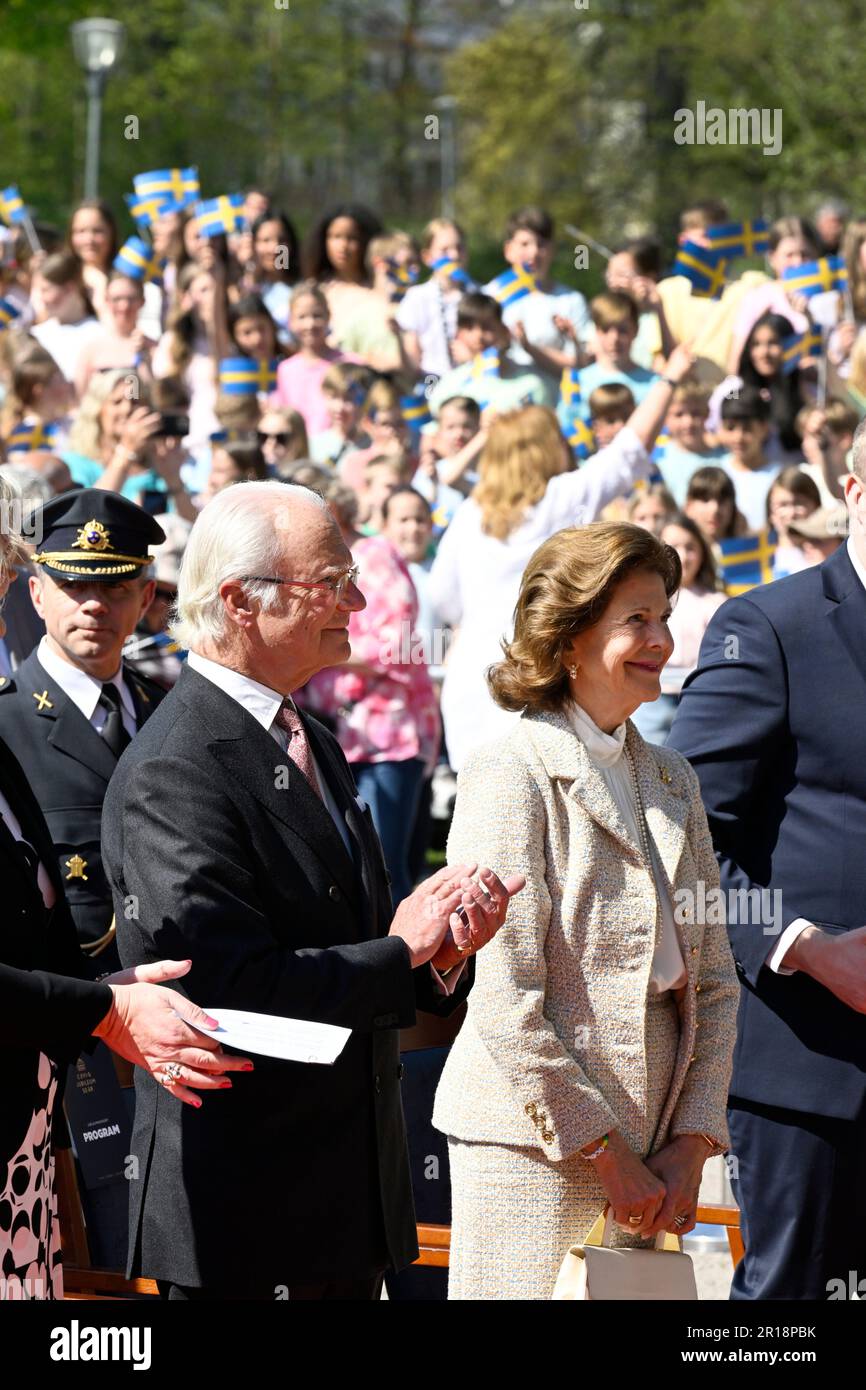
{"type": "Point", "coordinates": [219, 216]}
{"type": "Point", "coordinates": [29, 435]}
{"type": "Point", "coordinates": [400, 277]}
{"type": "Point", "coordinates": [8, 312]}
{"type": "Point", "coordinates": [145, 211]}
{"type": "Point", "coordinates": [580, 438]}
{"type": "Point", "coordinates": [512, 285]}
{"type": "Point", "coordinates": [798, 346]}
{"type": "Point", "coordinates": [660, 448]}
{"type": "Point", "coordinates": [816, 277]}
{"type": "Point", "coordinates": [138, 260]}
{"type": "Point", "coordinates": [415, 410]}
{"type": "Point", "coordinates": [244, 376]}
{"type": "Point", "coordinates": [179, 187]}
{"type": "Point", "coordinates": [447, 265]}
{"type": "Point", "coordinates": [741, 238]}
{"type": "Point", "coordinates": [747, 561]}
{"type": "Point", "coordinates": [12, 208]}
{"type": "Point", "coordinates": [704, 267]}
{"type": "Point", "coordinates": [569, 388]}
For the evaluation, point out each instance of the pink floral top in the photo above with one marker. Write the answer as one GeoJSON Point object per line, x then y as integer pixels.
{"type": "Point", "coordinates": [393, 715]}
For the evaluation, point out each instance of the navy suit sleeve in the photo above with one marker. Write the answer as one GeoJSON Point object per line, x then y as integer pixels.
{"type": "Point", "coordinates": [731, 724]}
{"type": "Point", "coordinates": [193, 882]}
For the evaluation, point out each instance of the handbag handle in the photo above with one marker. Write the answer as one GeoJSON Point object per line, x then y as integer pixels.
{"type": "Point", "coordinates": [603, 1227]}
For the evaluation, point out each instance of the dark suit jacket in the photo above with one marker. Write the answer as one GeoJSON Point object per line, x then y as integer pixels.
{"type": "Point", "coordinates": [772, 720]}
{"type": "Point", "coordinates": [38, 1012]}
{"type": "Point", "coordinates": [68, 766]}
{"type": "Point", "coordinates": [217, 850]}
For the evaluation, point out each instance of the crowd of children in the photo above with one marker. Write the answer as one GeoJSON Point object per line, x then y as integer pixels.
{"type": "Point", "coordinates": [373, 367]}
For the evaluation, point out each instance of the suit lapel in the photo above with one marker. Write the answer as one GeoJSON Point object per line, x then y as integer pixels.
{"type": "Point", "coordinates": [566, 759]}
{"type": "Point", "coordinates": [358, 831]}
{"type": "Point", "coordinates": [666, 807]}
{"type": "Point", "coordinates": [848, 606]}
{"type": "Point", "coordinates": [255, 760]}
{"type": "Point", "coordinates": [70, 732]}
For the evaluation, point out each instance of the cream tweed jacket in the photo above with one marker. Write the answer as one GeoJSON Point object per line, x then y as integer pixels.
{"type": "Point", "coordinates": [552, 1053]}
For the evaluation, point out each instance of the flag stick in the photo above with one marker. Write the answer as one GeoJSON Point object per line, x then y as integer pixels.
{"type": "Point", "coordinates": [822, 371]}
{"type": "Point", "coordinates": [30, 233]}
{"type": "Point", "coordinates": [590, 241]}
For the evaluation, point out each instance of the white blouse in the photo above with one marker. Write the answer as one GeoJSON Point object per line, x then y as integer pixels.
{"type": "Point", "coordinates": [606, 754]}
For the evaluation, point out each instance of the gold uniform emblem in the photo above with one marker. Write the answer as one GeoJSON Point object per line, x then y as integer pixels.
{"type": "Point", "coordinates": [92, 536]}
{"type": "Point", "coordinates": [42, 701]}
{"type": "Point", "coordinates": [76, 866]}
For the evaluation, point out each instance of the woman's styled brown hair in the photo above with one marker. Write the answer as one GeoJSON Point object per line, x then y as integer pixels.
{"type": "Point", "coordinates": [524, 450]}
{"type": "Point", "coordinates": [566, 587]}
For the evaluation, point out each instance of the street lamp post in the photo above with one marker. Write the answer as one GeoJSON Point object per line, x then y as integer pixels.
{"type": "Point", "coordinates": [448, 153]}
{"type": "Point", "coordinates": [98, 44]}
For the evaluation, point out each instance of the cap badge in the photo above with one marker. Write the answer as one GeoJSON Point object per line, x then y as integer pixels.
{"type": "Point", "coordinates": [92, 536]}
{"type": "Point", "coordinates": [76, 866]}
{"type": "Point", "coordinates": [42, 701]}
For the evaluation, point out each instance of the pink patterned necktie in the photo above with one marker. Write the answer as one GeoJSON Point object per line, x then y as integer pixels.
{"type": "Point", "coordinates": [288, 719]}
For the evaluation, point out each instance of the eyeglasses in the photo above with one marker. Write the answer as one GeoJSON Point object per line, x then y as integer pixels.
{"type": "Point", "coordinates": [336, 586]}
{"type": "Point", "coordinates": [282, 437]}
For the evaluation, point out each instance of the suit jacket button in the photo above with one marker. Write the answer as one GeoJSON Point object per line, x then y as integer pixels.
{"type": "Point", "coordinates": [400, 1070]}
{"type": "Point", "coordinates": [333, 892]}
{"type": "Point", "coordinates": [530, 1109]}
{"type": "Point", "coordinates": [378, 1085]}
{"type": "Point", "coordinates": [547, 1136]}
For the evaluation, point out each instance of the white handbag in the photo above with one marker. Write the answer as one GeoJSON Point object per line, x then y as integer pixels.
{"type": "Point", "coordinates": [594, 1271]}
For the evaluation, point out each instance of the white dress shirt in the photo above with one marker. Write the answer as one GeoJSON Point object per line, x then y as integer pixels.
{"type": "Point", "coordinates": [263, 704]}
{"type": "Point", "coordinates": [84, 691]}
{"type": "Point", "coordinates": [606, 754]}
{"type": "Point", "coordinates": [791, 932]}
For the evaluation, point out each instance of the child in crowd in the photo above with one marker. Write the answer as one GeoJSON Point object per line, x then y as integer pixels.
{"type": "Point", "coordinates": [610, 407]}
{"type": "Point", "coordinates": [711, 502]}
{"type": "Point", "coordinates": [191, 346]}
{"type": "Point", "coordinates": [615, 317]}
{"type": "Point", "coordinates": [408, 525]}
{"type": "Point", "coordinates": [344, 387]}
{"type": "Point", "coordinates": [121, 343]}
{"type": "Point", "coordinates": [792, 497]}
{"type": "Point", "coordinates": [827, 435]}
{"type": "Point", "coordinates": [335, 256]}
{"type": "Point", "coordinates": [275, 266]}
{"type": "Point", "coordinates": [65, 321]}
{"type": "Point", "coordinates": [745, 425]}
{"type": "Point", "coordinates": [696, 601]}
{"type": "Point", "coordinates": [761, 367]}
{"type": "Point", "coordinates": [38, 401]}
{"type": "Point", "coordinates": [383, 423]}
{"type": "Point", "coordinates": [93, 237]}
{"type": "Point", "coordinates": [449, 452]}
{"type": "Point", "coordinates": [480, 327]}
{"type": "Point", "coordinates": [652, 508]}
{"type": "Point", "coordinates": [234, 463]}
{"type": "Point", "coordinates": [688, 446]}
{"type": "Point", "coordinates": [299, 378]}
{"type": "Point", "coordinates": [427, 313]}
{"type": "Point", "coordinates": [283, 439]}
{"type": "Point", "coordinates": [636, 268]}
{"type": "Point", "coordinates": [792, 240]}
{"type": "Point", "coordinates": [382, 475]}
{"type": "Point", "coordinates": [548, 325]}
{"type": "Point", "coordinates": [252, 330]}
{"type": "Point", "coordinates": [376, 336]}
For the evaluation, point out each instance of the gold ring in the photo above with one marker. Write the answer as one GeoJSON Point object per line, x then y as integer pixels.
{"type": "Point", "coordinates": [635, 1220]}
{"type": "Point", "coordinates": [464, 950]}
{"type": "Point", "coordinates": [173, 1070]}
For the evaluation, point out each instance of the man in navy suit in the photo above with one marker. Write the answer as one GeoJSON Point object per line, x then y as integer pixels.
{"type": "Point", "coordinates": [774, 722]}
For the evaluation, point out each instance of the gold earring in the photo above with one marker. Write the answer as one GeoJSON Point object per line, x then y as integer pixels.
{"type": "Point", "coordinates": [572, 671]}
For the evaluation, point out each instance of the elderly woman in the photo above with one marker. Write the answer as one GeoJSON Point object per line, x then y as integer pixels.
{"type": "Point", "coordinates": [593, 1064]}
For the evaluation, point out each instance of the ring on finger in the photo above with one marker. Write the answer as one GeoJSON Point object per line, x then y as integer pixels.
{"type": "Point", "coordinates": [680, 1220]}
{"type": "Point", "coordinates": [635, 1220]}
{"type": "Point", "coordinates": [173, 1070]}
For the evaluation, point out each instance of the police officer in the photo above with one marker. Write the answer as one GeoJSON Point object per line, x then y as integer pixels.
{"type": "Point", "coordinates": [72, 706]}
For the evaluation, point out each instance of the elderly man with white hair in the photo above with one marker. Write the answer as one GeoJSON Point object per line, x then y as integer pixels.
{"type": "Point", "coordinates": [233, 833]}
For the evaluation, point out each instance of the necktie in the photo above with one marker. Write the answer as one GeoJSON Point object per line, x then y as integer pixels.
{"type": "Point", "coordinates": [113, 732]}
{"type": "Point", "coordinates": [288, 719]}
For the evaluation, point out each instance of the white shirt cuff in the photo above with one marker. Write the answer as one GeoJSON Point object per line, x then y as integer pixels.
{"type": "Point", "coordinates": [787, 939]}
{"type": "Point", "coordinates": [448, 986]}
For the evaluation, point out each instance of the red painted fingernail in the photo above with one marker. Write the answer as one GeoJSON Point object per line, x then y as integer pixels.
{"type": "Point", "coordinates": [249, 1067]}
{"type": "Point", "coordinates": [197, 1104]}
{"type": "Point", "coordinates": [225, 1085]}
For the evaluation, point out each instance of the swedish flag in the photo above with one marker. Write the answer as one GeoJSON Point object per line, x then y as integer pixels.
{"type": "Point", "coordinates": [800, 345]}
{"type": "Point", "coordinates": [486, 363]}
{"type": "Point", "coordinates": [569, 388]}
{"type": "Point", "coordinates": [179, 187]}
{"type": "Point", "coordinates": [513, 284]}
{"type": "Point", "coordinates": [138, 260]}
{"type": "Point", "coordinates": [400, 277]}
{"type": "Point", "coordinates": [32, 434]}
{"type": "Point", "coordinates": [244, 376]}
{"type": "Point", "coordinates": [704, 267]}
{"type": "Point", "coordinates": [747, 561]}
{"type": "Point", "coordinates": [218, 216]}
{"type": "Point", "coordinates": [145, 211]}
{"type": "Point", "coordinates": [12, 208]}
{"type": "Point", "coordinates": [659, 450]}
{"type": "Point", "coordinates": [816, 277]}
{"type": "Point", "coordinates": [580, 438]}
{"type": "Point", "coordinates": [453, 269]}
{"type": "Point", "coordinates": [415, 410]}
{"type": "Point", "coordinates": [8, 312]}
{"type": "Point", "coordinates": [741, 238]}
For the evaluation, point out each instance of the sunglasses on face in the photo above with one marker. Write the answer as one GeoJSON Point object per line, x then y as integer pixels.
{"type": "Point", "coordinates": [281, 437]}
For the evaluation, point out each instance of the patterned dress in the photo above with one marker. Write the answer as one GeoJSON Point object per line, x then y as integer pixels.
{"type": "Point", "coordinates": [30, 1265]}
